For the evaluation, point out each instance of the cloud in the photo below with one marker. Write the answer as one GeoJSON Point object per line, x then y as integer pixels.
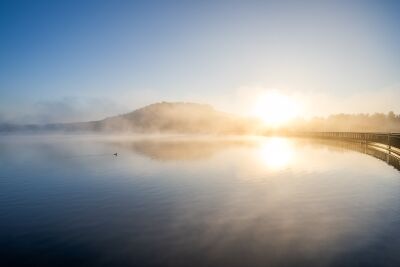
{"type": "Point", "coordinates": [2, 118]}
{"type": "Point", "coordinates": [67, 109]}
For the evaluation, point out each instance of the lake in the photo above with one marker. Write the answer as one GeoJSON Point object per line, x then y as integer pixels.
{"type": "Point", "coordinates": [195, 201]}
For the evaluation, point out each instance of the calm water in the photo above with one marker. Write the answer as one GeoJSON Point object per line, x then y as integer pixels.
{"type": "Point", "coordinates": [66, 201]}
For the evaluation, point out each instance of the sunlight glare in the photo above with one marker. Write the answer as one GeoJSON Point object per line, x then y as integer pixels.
{"type": "Point", "coordinates": [276, 153]}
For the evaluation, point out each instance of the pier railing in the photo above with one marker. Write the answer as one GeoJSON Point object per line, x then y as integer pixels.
{"type": "Point", "coordinates": [388, 142]}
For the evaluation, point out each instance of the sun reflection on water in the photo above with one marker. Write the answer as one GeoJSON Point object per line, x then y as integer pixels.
{"type": "Point", "coordinates": [276, 153]}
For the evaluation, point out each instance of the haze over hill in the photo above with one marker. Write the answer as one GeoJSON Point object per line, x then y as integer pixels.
{"type": "Point", "coordinates": [176, 117]}
{"type": "Point", "coordinates": [164, 117]}
{"type": "Point", "coordinates": [193, 118]}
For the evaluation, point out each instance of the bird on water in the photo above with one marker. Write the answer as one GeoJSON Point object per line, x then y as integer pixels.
{"type": "Point", "coordinates": [115, 154]}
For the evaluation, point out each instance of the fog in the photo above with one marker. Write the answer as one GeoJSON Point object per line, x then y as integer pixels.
{"type": "Point", "coordinates": [194, 119]}
{"type": "Point", "coordinates": [377, 122]}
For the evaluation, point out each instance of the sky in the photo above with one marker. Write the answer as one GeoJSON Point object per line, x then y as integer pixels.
{"type": "Point", "coordinates": [75, 60]}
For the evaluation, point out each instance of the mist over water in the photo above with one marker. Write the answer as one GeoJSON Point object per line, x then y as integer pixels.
{"type": "Point", "coordinates": [194, 201]}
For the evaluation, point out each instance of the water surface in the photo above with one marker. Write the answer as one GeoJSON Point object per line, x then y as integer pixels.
{"type": "Point", "coordinates": [179, 201]}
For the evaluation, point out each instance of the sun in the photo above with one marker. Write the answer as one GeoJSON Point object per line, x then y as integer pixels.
{"type": "Point", "coordinates": [275, 108]}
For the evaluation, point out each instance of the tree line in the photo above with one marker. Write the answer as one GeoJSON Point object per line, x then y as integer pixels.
{"type": "Point", "coordinates": [376, 122]}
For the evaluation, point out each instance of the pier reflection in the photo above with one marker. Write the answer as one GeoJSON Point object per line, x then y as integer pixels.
{"type": "Point", "coordinates": [370, 149]}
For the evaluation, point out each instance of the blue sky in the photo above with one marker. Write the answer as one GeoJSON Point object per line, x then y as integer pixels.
{"type": "Point", "coordinates": [78, 60]}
